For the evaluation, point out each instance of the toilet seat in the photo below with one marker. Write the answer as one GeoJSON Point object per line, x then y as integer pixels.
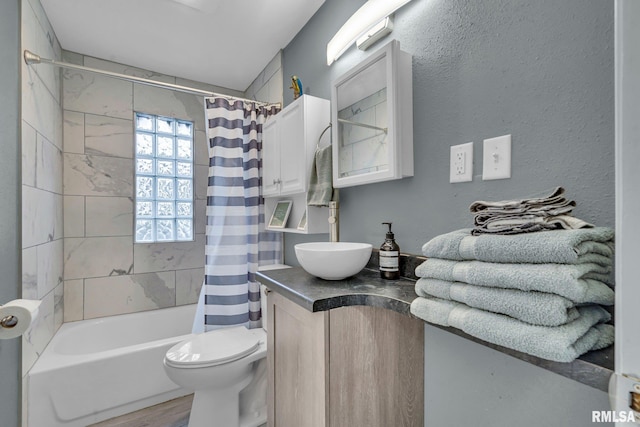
{"type": "Point", "coordinates": [213, 348]}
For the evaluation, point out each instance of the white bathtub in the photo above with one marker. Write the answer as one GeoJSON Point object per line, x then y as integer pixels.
{"type": "Point", "coordinates": [97, 369]}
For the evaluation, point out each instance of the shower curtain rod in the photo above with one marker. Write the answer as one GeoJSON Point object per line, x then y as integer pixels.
{"type": "Point", "coordinates": [31, 58]}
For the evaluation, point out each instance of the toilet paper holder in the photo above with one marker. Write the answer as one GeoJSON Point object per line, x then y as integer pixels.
{"type": "Point", "coordinates": [16, 317]}
{"type": "Point", "coordinates": [9, 322]}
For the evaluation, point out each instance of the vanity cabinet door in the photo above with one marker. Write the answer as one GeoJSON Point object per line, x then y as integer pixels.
{"type": "Point", "coordinates": [376, 375]}
{"type": "Point", "coordinates": [296, 363]}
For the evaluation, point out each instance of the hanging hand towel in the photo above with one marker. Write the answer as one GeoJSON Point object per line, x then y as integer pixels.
{"type": "Point", "coordinates": [321, 179]}
{"type": "Point", "coordinates": [580, 283]}
{"type": "Point", "coordinates": [559, 343]}
{"type": "Point", "coordinates": [536, 308]}
{"type": "Point", "coordinates": [556, 246]}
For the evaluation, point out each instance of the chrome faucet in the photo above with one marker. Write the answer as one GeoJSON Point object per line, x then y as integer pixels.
{"type": "Point", "coordinates": [334, 222]}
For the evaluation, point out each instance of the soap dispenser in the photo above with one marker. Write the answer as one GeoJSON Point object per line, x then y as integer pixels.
{"type": "Point", "coordinates": [389, 260]}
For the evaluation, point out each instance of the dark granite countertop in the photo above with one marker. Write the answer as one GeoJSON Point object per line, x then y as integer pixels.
{"type": "Point", "coordinates": [367, 288]}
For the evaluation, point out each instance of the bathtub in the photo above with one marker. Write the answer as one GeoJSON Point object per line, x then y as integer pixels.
{"type": "Point", "coordinates": [97, 369]}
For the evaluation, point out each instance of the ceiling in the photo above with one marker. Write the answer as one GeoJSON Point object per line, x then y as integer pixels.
{"type": "Point", "coordinates": [222, 42]}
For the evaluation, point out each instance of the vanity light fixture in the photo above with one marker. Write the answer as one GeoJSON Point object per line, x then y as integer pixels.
{"type": "Point", "coordinates": [375, 33]}
{"type": "Point", "coordinates": [370, 14]}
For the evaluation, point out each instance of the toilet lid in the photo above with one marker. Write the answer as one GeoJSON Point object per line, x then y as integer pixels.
{"type": "Point", "coordinates": [214, 348]}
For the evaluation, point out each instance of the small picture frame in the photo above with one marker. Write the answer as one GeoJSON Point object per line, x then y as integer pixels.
{"type": "Point", "coordinates": [302, 225]}
{"type": "Point", "coordinates": [280, 214]}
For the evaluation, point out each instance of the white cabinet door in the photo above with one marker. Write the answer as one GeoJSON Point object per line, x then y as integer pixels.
{"type": "Point", "coordinates": [292, 150]}
{"type": "Point", "coordinates": [270, 158]}
{"type": "Point", "coordinates": [627, 344]}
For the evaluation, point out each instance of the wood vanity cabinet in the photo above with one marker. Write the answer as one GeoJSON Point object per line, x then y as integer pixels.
{"type": "Point", "coordinates": [350, 366]}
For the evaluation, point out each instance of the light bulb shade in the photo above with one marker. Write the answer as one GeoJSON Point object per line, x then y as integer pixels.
{"type": "Point", "coordinates": [371, 13]}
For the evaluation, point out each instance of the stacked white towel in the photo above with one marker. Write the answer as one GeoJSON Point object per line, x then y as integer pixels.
{"type": "Point", "coordinates": [539, 293]}
{"type": "Point", "coordinates": [546, 212]}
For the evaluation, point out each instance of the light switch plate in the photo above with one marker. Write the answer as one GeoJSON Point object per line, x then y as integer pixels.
{"type": "Point", "coordinates": [461, 163]}
{"type": "Point", "coordinates": [496, 158]}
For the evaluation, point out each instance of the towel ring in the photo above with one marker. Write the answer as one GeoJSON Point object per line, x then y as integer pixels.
{"type": "Point", "coordinates": [325, 129]}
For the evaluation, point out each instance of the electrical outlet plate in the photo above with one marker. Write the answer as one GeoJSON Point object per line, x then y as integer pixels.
{"type": "Point", "coordinates": [496, 158]}
{"type": "Point", "coordinates": [461, 163]}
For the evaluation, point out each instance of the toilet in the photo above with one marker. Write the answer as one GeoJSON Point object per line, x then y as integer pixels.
{"type": "Point", "coordinates": [217, 366]}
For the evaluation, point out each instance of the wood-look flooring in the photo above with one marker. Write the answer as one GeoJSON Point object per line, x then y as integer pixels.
{"type": "Point", "coordinates": [174, 413]}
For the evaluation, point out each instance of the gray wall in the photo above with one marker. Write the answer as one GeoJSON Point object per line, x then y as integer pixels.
{"type": "Point", "coordinates": [10, 196]}
{"type": "Point", "coordinates": [540, 71]}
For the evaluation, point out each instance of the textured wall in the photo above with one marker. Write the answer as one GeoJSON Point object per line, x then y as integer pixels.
{"type": "Point", "coordinates": [540, 71]}
{"type": "Point", "coordinates": [10, 288]}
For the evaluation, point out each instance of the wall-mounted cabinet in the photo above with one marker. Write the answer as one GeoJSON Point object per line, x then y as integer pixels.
{"type": "Point", "coordinates": [290, 139]}
{"type": "Point", "coordinates": [372, 116]}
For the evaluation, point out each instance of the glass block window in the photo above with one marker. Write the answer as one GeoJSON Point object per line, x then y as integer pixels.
{"type": "Point", "coordinates": [164, 179]}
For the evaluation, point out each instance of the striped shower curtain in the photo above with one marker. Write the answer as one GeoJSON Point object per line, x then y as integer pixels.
{"type": "Point", "coordinates": [236, 240]}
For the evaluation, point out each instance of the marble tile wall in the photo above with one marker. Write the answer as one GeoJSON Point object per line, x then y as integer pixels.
{"type": "Point", "coordinates": [42, 187]}
{"type": "Point", "coordinates": [105, 273]}
{"type": "Point", "coordinates": [77, 150]}
{"type": "Point", "coordinates": [268, 85]}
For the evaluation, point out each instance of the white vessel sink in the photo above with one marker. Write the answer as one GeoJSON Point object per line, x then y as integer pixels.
{"type": "Point", "coordinates": [333, 260]}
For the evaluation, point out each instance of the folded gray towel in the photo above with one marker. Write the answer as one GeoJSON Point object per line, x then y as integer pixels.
{"type": "Point", "coordinates": [516, 224]}
{"type": "Point", "coordinates": [559, 343]}
{"type": "Point", "coordinates": [580, 283]}
{"type": "Point", "coordinates": [483, 220]}
{"type": "Point", "coordinates": [536, 308]}
{"type": "Point", "coordinates": [553, 200]}
{"type": "Point", "coordinates": [321, 178]}
{"type": "Point", "coordinates": [548, 212]}
{"type": "Point", "coordinates": [556, 246]}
